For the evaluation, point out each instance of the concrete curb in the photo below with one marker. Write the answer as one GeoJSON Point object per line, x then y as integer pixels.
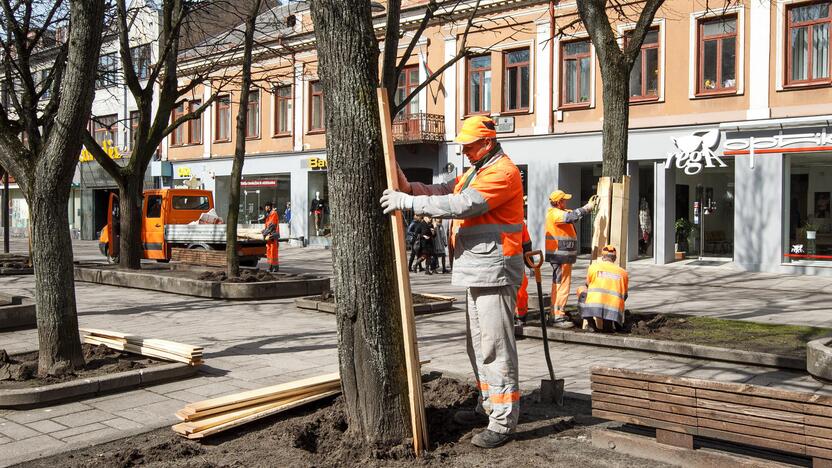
{"type": "Point", "coordinates": [819, 358]}
{"type": "Point", "coordinates": [304, 286]}
{"type": "Point", "coordinates": [18, 312]}
{"type": "Point", "coordinates": [20, 398]}
{"type": "Point", "coordinates": [310, 303]}
{"type": "Point", "coordinates": [16, 271]}
{"type": "Point", "coordinates": [670, 347]}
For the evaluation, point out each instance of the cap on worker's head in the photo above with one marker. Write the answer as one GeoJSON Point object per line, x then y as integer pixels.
{"type": "Point", "coordinates": [475, 128]}
{"type": "Point", "coordinates": [608, 249]}
{"type": "Point", "coordinates": [558, 195]}
{"type": "Point", "coordinates": [268, 203]}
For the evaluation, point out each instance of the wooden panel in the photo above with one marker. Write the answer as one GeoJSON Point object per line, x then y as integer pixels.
{"type": "Point", "coordinates": [621, 400]}
{"type": "Point", "coordinates": [619, 382]}
{"type": "Point", "coordinates": [749, 400]}
{"type": "Point", "coordinates": [642, 421]}
{"type": "Point", "coordinates": [672, 389]}
{"type": "Point", "coordinates": [676, 439]}
{"type": "Point", "coordinates": [752, 430]}
{"type": "Point", "coordinates": [619, 219]}
{"type": "Point", "coordinates": [818, 462]}
{"type": "Point", "coordinates": [812, 420]}
{"type": "Point", "coordinates": [750, 411]}
{"type": "Point", "coordinates": [657, 415]}
{"type": "Point", "coordinates": [643, 394]}
{"type": "Point", "coordinates": [819, 452]}
{"type": "Point", "coordinates": [820, 410]}
{"type": "Point", "coordinates": [755, 390]}
{"type": "Point", "coordinates": [411, 348]}
{"type": "Point", "coordinates": [751, 440]}
{"type": "Point", "coordinates": [821, 442]}
{"type": "Point", "coordinates": [815, 431]}
{"type": "Point", "coordinates": [644, 376]}
{"type": "Point", "coordinates": [755, 421]}
{"type": "Point", "coordinates": [601, 225]}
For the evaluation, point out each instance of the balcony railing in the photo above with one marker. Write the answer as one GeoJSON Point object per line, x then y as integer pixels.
{"type": "Point", "coordinates": [419, 128]}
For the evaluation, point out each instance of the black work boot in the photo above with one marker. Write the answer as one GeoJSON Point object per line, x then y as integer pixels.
{"type": "Point", "coordinates": [489, 439]}
{"type": "Point", "coordinates": [470, 418]}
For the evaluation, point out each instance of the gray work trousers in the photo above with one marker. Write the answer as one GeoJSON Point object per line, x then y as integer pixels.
{"type": "Point", "coordinates": [493, 354]}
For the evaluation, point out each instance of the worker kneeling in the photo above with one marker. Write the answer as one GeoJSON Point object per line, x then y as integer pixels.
{"type": "Point", "coordinates": [487, 242]}
{"type": "Point", "coordinates": [601, 301]}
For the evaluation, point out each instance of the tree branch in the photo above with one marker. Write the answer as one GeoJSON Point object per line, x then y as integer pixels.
{"type": "Point", "coordinates": [102, 158]}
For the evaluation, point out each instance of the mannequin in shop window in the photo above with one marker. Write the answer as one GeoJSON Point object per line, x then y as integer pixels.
{"type": "Point", "coordinates": [645, 226]}
{"type": "Point", "coordinates": [318, 210]}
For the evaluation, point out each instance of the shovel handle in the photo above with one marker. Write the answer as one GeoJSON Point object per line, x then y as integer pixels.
{"type": "Point", "coordinates": [535, 265]}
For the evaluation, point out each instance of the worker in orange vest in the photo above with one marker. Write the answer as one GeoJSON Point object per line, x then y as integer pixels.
{"type": "Point", "coordinates": [602, 299]}
{"type": "Point", "coordinates": [271, 233]}
{"type": "Point", "coordinates": [562, 251]}
{"type": "Point", "coordinates": [487, 236]}
{"type": "Point", "coordinates": [522, 307]}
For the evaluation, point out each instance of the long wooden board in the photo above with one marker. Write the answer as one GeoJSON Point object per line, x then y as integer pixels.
{"type": "Point", "coordinates": [601, 225]}
{"type": "Point", "coordinates": [149, 352]}
{"type": "Point", "coordinates": [619, 219]}
{"type": "Point", "coordinates": [411, 348]}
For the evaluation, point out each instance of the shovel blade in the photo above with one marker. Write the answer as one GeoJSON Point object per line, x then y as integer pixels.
{"type": "Point", "coordinates": [551, 391]}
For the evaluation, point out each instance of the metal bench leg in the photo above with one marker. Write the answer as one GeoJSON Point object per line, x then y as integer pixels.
{"type": "Point", "coordinates": [676, 439]}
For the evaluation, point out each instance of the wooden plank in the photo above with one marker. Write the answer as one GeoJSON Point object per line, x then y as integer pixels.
{"type": "Point", "coordinates": [657, 415]}
{"type": "Point", "coordinates": [149, 352]}
{"type": "Point", "coordinates": [821, 442]}
{"type": "Point", "coordinates": [642, 421]}
{"type": "Point", "coordinates": [819, 452]}
{"type": "Point", "coordinates": [164, 345]}
{"type": "Point", "coordinates": [819, 410]}
{"type": "Point", "coordinates": [676, 439]}
{"type": "Point", "coordinates": [749, 400]}
{"type": "Point", "coordinates": [619, 219]}
{"type": "Point", "coordinates": [820, 421]}
{"type": "Point", "coordinates": [411, 349]}
{"type": "Point", "coordinates": [752, 440]}
{"type": "Point", "coordinates": [777, 425]}
{"type": "Point", "coordinates": [601, 224]}
{"type": "Point", "coordinates": [671, 389]}
{"type": "Point", "coordinates": [643, 394]}
{"type": "Point", "coordinates": [767, 433]}
{"type": "Point", "coordinates": [618, 382]}
{"type": "Point", "coordinates": [815, 431]}
{"type": "Point", "coordinates": [644, 376]}
{"type": "Point", "coordinates": [750, 411]}
{"type": "Point", "coordinates": [642, 403]}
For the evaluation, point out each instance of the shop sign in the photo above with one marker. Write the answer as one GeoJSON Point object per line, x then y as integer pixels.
{"type": "Point", "coordinates": [183, 172]}
{"type": "Point", "coordinates": [107, 146]}
{"type": "Point", "coordinates": [754, 144]}
{"type": "Point", "coordinates": [258, 183]}
{"type": "Point", "coordinates": [694, 150]}
{"type": "Point", "coordinates": [317, 164]}
{"type": "Point", "coordinates": [504, 124]}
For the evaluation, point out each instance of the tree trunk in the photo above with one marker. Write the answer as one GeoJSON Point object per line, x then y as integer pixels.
{"type": "Point", "coordinates": [370, 343]}
{"type": "Point", "coordinates": [130, 224]}
{"type": "Point", "coordinates": [616, 85]}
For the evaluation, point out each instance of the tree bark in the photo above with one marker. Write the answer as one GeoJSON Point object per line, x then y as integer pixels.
{"type": "Point", "coordinates": [370, 343]}
{"type": "Point", "coordinates": [130, 222]}
{"type": "Point", "coordinates": [616, 95]}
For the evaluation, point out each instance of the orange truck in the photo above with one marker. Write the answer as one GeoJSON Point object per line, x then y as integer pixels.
{"type": "Point", "coordinates": [167, 215]}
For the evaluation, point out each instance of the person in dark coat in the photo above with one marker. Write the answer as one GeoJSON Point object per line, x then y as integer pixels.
{"type": "Point", "coordinates": [424, 244]}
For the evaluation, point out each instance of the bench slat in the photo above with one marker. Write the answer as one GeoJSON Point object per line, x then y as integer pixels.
{"type": "Point", "coordinates": [647, 404]}
{"type": "Point", "coordinates": [821, 442]}
{"type": "Point", "coordinates": [751, 411]}
{"type": "Point", "coordinates": [746, 420]}
{"type": "Point", "coordinates": [671, 389]}
{"type": "Point", "coordinates": [820, 421]}
{"type": "Point", "coordinates": [752, 431]}
{"type": "Point", "coordinates": [747, 400]}
{"type": "Point", "coordinates": [644, 394]}
{"type": "Point", "coordinates": [641, 421]}
{"type": "Point", "coordinates": [647, 413]}
{"type": "Point", "coordinates": [752, 440]}
{"type": "Point", "coordinates": [638, 385]}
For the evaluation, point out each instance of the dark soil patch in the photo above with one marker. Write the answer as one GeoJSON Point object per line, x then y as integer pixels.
{"type": "Point", "coordinates": [246, 276]}
{"type": "Point", "coordinates": [18, 371]}
{"type": "Point", "coordinates": [417, 298]}
{"type": "Point", "coordinates": [784, 340]}
{"type": "Point", "coordinates": [318, 435]}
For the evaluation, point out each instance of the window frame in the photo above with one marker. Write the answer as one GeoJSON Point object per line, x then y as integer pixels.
{"type": "Point", "coordinates": [195, 123]}
{"type": "Point", "coordinates": [98, 127]}
{"type": "Point", "coordinates": [178, 135]}
{"type": "Point", "coordinates": [699, 90]}
{"type": "Point", "coordinates": [788, 25]}
{"type": "Point", "coordinates": [107, 76]}
{"type": "Point", "coordinates": [277, 100]}
{"type": "Point", "coordinates": [220, 105]}
{"type": "Point", "coordinates": [506, 66]}
{"type": "Point", "coordinates": [469, 71]}
{"type": "Point", "coordinates": [134, 127]}
{"type": "Point", "coordinates": [312, 95]}
{"type": "Point", "coordinates": [141, 54]}
{"type": "Point", "coordinates": [643, 97]}
{"type": "Point", "coordinates": [562, 57]}
{"type": "Point", "coordinates": [408, 86]}
{"type": "Point", "coordinates": [253, 109]}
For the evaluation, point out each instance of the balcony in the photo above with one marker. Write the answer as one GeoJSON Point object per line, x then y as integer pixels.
{"type": "Point", "coordinates": [419, 128]}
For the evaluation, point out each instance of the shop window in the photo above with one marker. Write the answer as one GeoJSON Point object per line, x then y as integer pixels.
{"type": "Point", "coordinates": [195, 125]}
{"type": "Point", "coordinates": [408, 82]}
{"type": "Point", "coordinates": [516, 80]}
{"type": "Point", "coordinates": [283, 107]}
{"type": "Point", "coordinates": [717, 69]}
{"type": "Point", "coordinates": [316, 117]}
{"type": "Point", "coordinates": [807, 60]}
{"type": "Point", "coordinates": [104, 129]}
{"type": "Point", "coordinates": [808, 211]}
{"type": "Point", "coordinates": [576, 63]}
{"type": "Point", "coordinates": [177, 137]}
{"type": "Point", "coordinates": [253, 117]}
{"type": "Point", "coordinates": [479, 85]}
{"type": "Point", "coordinates": [644, 77]}
{"type": "Point", "coordinates": [223, 119]}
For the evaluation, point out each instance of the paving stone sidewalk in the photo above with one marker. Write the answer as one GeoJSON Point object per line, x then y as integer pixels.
{"type": "Point", "coordinates": [254, 344]}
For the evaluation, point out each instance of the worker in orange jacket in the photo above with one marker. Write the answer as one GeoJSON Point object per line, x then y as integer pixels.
{"type": "Point", "coordinates": [602, 299]}
{"type": "Point", "coordinates": [486, 203]}
{"type": "Point", "coordinates": [271, 233]}
{"type": "Point", "coordinates": [522, 307]}
{"type": "Point", "coordinates": [562, 251]}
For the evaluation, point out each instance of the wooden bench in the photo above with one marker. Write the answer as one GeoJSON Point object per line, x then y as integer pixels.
{"type": "Point", "coordinates": [681, 408]}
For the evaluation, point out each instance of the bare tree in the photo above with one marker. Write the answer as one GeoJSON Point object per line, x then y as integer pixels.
{"type": "Point", "coordinates": [50, 52]}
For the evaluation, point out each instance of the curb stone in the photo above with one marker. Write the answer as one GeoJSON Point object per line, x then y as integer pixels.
{"type": "Point", "coordinates": [329, 307]}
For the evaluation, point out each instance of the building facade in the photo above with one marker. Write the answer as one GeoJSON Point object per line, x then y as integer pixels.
{"type": "Point", "coordinates": [729, 123]}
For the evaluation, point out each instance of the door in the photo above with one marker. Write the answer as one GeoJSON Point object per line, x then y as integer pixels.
{"type": "Point", "coordinates": [113, 226]}
{"type": "Point", "coordinates": [153, 227]}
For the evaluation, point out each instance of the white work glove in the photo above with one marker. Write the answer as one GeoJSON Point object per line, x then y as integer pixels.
{"type": "Point", "coordinates": [392, 200]}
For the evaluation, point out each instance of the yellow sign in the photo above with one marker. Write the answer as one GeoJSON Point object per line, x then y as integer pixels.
{"type": "Point", "coordinates": [184, 172]}
{"type": "Point", "coordinates": [107, 146]}
{"type": "Point", "coordinates": [317, 164]}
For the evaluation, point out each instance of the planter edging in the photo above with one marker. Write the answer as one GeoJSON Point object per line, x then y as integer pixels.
{"type": "Point", "coordinates": [309, 303]}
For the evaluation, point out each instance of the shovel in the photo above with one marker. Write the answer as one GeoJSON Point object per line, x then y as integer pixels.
{"type": "Point", "coordinates": [551, 391]}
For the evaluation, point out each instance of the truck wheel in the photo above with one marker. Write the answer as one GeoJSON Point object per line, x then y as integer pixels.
{"type": "Point", "coordinates": [200, 246]}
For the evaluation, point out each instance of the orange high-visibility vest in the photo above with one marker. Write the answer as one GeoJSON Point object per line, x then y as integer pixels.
{"type": "Point", "coordinates": [561, 239]}
{"type": "Point", "coordinates": [607, 290]}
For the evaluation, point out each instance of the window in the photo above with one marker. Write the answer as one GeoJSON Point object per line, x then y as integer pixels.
{"type": "Point", "coordinates": [253, 117]}
{"type": "Point", "coordinates": [408, 81]}
{"type": "Point", "coordinates": [191, 203]}
{"type": "Point", "coordinates": [41, 85]}
{"type": "Point", "coordinates": [153, 205]}
{"type": "Point", "coordinates": [134, 127]}
{"type": "Point", "coordinates": [195, 125]}
{"type": "Point", "coordinates": [808, 48]}
{"type": "Point", "coordinates": [178, 135]}
{"type": "Point", "coordinates": [644, 77]}
{"type": "Point", "coordinates": [104, 129]}
{"type": "Point", "coordinates": [223, 119]}
{"type": "Point", "coordinates": [516, 80]}
{"type": "Point", "coordinates": [576, 66]}
{"type": "Point", "coordinates": [808, 206]}
{"type": "Point", "coordinates": [717, 55]}
{"type": "Point", "coordinates": [316, 118]}
{"type": "Point", "coordinates": [283, 109]}
{"type": "Point", "coordinates": [107, 70]}
{"type": "Point", "coordinates": [479, 85]}
{"type": "Point", "coordinates": [141, 61]}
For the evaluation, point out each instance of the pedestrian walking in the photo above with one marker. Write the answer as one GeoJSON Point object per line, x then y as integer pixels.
{"type": "Point", "coordinates": [271, 233]}
{"type": "Point", "coordinates": [440, 245]}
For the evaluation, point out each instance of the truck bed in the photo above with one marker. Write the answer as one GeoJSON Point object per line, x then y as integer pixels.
{"type": "Point", "coordinates": [211, 233]}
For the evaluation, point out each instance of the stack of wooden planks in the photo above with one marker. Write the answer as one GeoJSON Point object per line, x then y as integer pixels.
{"type": "Point", "coordinates": [612, 218]}
{"type": "Point", "coordinates": [208, 417]}
{"type": "Point", "coordinates": [150, 347]}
